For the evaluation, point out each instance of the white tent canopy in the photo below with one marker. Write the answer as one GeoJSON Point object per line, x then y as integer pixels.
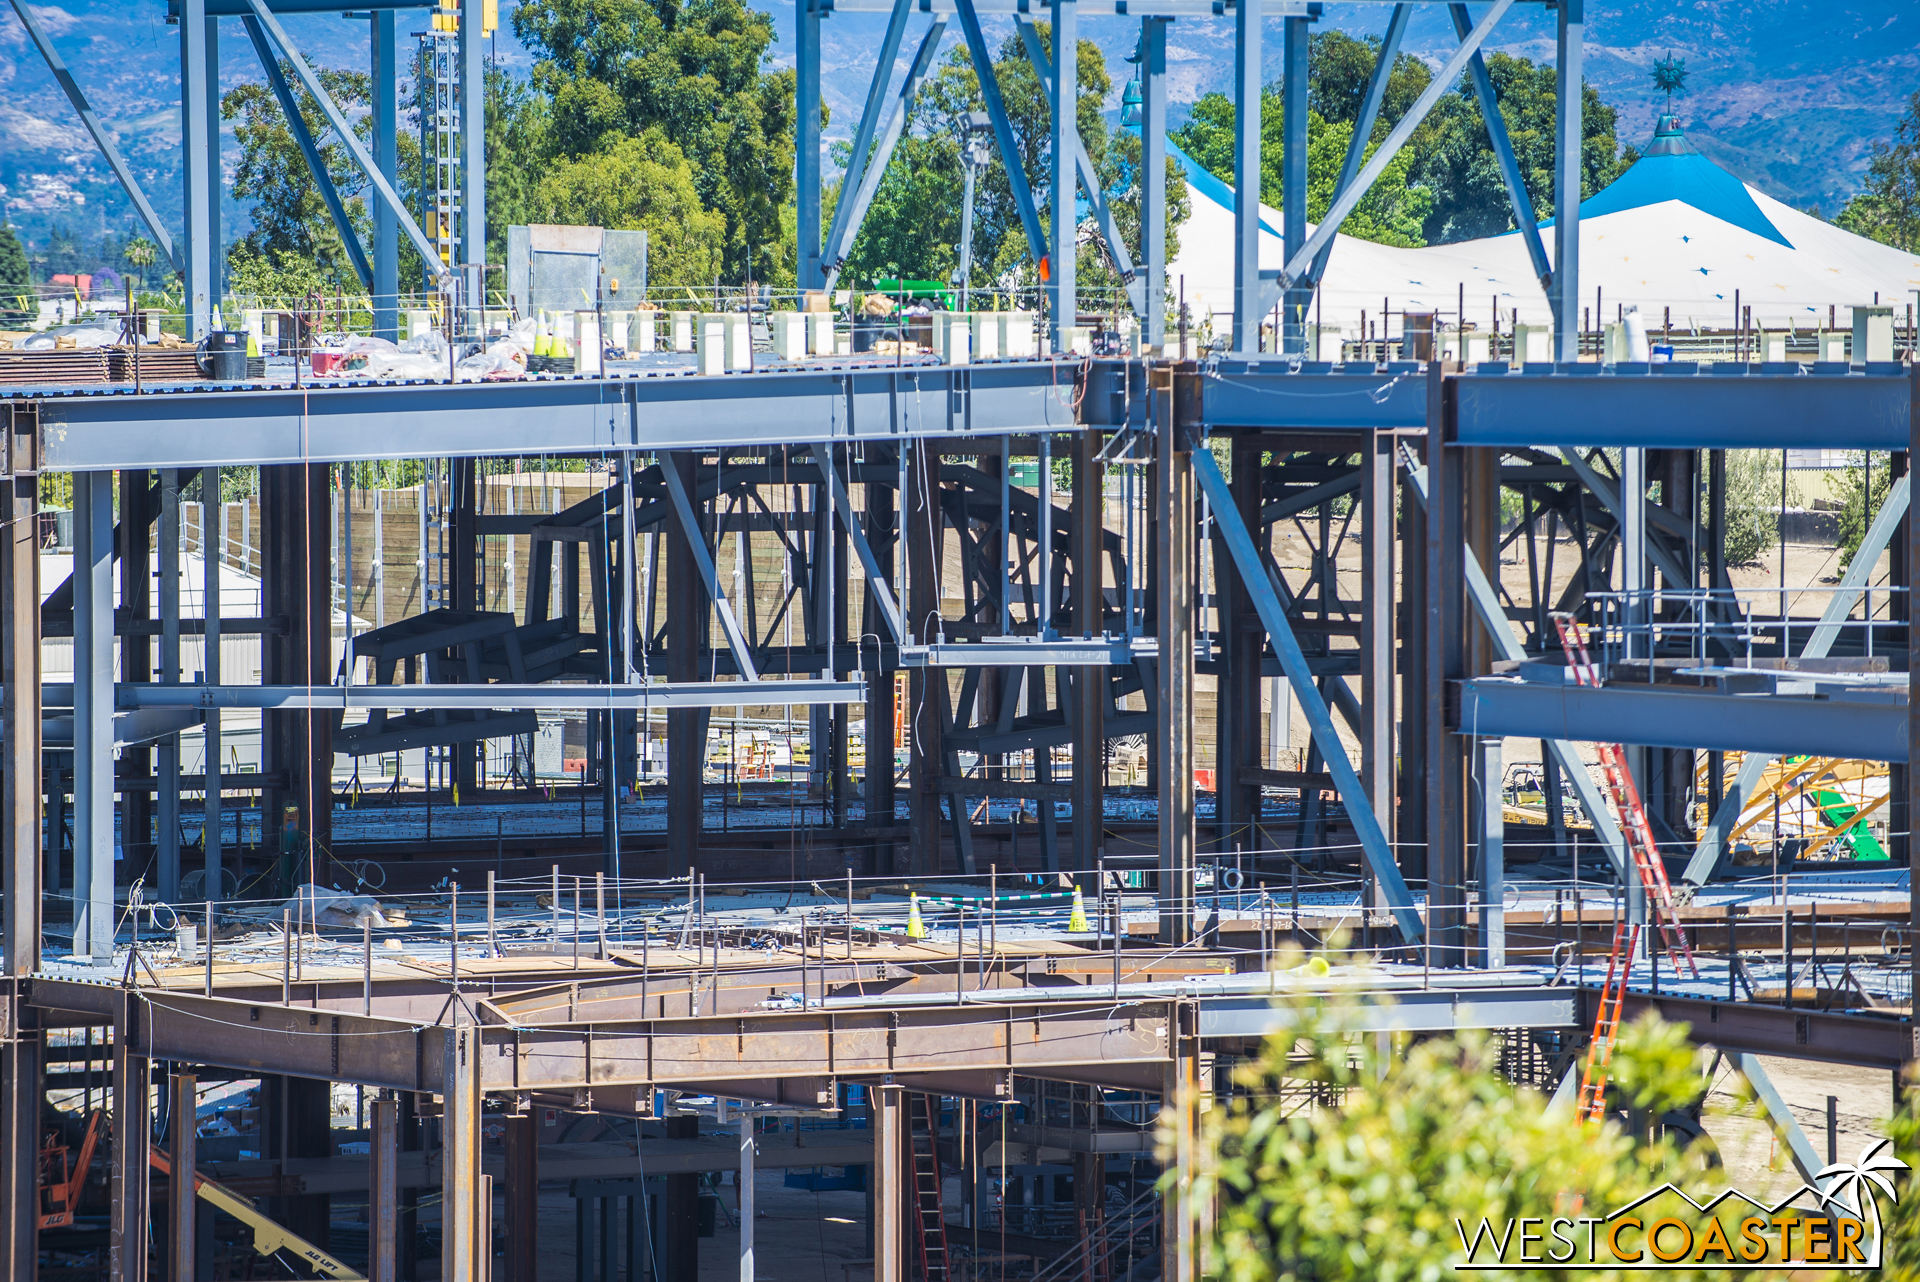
{"type": "Point", "coordinates": [1675, 235]}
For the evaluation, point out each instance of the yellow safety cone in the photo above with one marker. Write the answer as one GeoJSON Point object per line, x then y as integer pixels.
{"type": "Point", "coordinates": [916, 929]}
{"type": "Point", "coordinates": [1077, 921]}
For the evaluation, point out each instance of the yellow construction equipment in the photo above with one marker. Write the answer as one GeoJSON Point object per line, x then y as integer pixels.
{"type": "Point", "coordinates": [269, 1238]}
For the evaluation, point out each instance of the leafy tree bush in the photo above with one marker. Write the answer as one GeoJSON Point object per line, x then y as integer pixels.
{"type": "Point", "coordinates": [1889, 209]}
{"type": "Point", "coordinates": [1368, 1183]}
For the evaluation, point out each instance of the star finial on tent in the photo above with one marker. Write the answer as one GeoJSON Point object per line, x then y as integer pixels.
{"type": "Point", "coordinates": [1670, 76]}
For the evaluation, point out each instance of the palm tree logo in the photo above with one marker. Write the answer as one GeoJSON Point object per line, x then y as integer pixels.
{"type": "Point", "coordinates": [1852, 1184]}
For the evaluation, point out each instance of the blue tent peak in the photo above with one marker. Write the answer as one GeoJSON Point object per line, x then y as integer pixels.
{"type": "Point", "coordinates": [1671, 169]}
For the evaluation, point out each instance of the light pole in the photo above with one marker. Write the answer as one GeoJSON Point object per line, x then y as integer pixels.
{"type": "Point", "coordinates": [976, 140]}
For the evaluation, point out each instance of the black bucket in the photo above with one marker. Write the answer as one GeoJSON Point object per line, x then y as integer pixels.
{"type": "Point", "coordinates": [223, 356]}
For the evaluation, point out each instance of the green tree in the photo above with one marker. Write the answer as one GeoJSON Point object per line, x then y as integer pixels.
{"type": "Point", "coordinates": [695, 71]}
{"type": "Point", "coordinates": [291, 224]}
{"type": "Point", "coordinates": [1393, 212]}
{"type": "Point", "coordinates": [1449, 154]}
{"type": "Point", "coordinates": [1369, 1181]}
{"type": "Point", "coordinates": [1753, 504]}
{"type": "Point", "coordinates": [1889, 209]}
{"type": "Point", "coordinates": [913, 225]}
{"type": "Point", "coordinates": [1858, 506]}
{"type": "Point", "coordinates": [15, 274]}
{"type": "Point", "coordinates": [640, 183]}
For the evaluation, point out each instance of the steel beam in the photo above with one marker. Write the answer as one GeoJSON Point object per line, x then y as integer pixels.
{"type": "Point", "coordinates": [1249, 283]}
{"type": "Point", "coordinates": [310, 150]}
{"type": "Point", "coordinates": [463, 1252]}
{"type": "Point", "coordinates": [198, 102]}
{"type": "Point", "coordinates": [1374, 846]}
{"type": "Point", "coordinates": [1153, 177]}
{"type": "Point", "coordinates": [1860, 572]}
{"type": "Point", "coordinates": [1781, 1118]}
{"type": "Point", "coordinates": [1493, 619]}
{"type": "Point", "coordinates": [890, 1188]}
{"type": "Point", "coordinates": [1522, 203]}
{"type": "Point", "coordinates": [1089, 178]}
{"type": "Point", "coordinates": [183, 1116]}
{"type": "Point", "coordinates": [1569, 167]}
{"type": "Point", "coordinates": [864, 133]}
{"type": "Point", "coordinates": [343, 128]}
{"type": "Point", "coordinates": [982, 56]}
{"type": "Point", "coordinates": [129, 1180]}
{"type": "Point", "coordinates": [1291, 338]}
{"type": "Point", "coordinates": [703, 558]}
{"type": "Point", "coordinates": [877, 585]}
{"type": "Point", "coordinates": [556, 696]}
{"type": "Point", "coordinates": [1300, 256]}
{"type": "Point", "coordinates": [1668, 717]}
{"type": "Point", "coordinates": [385, 86]}
{"type": "Point", "coordinates": [1064, 226]}
{"type": "Point", "coordinates": [93, 655]}
{"type": "Point", "coordinates": [806, 155]}
{"type": "Point", "coordinates": [1436, 1010]}
{"type": "Point", "coordinates": [473, 154]}
{"type": "Point", "coordinates": [1173, 607]}
{"type": "Point", "coordinates": [20, 710]}
{"type": "Point", "coordinates": [847, 228]}
{"type": "Point", "coordinates": [1087, 710]}
{"type": "Point", "coordinates": [98, 131]}
{"type": "Point", "coordinates": [1363, 123]}
{"type": "Point", "coordinates": [199, 426]}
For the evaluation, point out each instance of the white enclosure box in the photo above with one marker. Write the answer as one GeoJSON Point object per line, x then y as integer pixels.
{"type": "Point", "coordinates": [820, 333]}
{"type": "Point", "coordinates": [789, 331]}
{"type": "Point", "coordinates": [641, 334]}
{"type": "Point", "coordinates": [739, 340]}
{"type": "Point", "coordinates": [419, 323]}
{"type": "Point", "coordinates": [619, 329]}
{"type": "Point", "coordinates": [710, 351]}
{"type": "Point", "coordinates": [1076, 340]}
{"type": "Point", "coordinates": [587, 346]}
{"type": "Point", "coordinates": [1830, 345]}
{"type": "Point", "coordinates": [1017, 336]}
{"type": "Point", "coordinates": [986, 336]}
{"type": "Point", "coordinates": [953, 337]}
{"type": "Point", "coordinates": [1772, 345]}
{"type": "Point", "coordinates": [1532, 344]}
{"type": "Point", "coordinates": [1872, 334]}
{"type": "Point", "coordinates": [683, 331]}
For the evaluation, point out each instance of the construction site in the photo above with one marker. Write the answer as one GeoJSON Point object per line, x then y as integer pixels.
{"type": "Point", "coordinates": [830, 783]}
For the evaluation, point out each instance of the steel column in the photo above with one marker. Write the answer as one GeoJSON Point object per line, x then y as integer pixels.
{"type": "Point", "coordinates": [20, 791]}
{"type": "Point", "coordinates": [884, 543]}
{"type": "Point", "coordinates": [383, 1194]}
{"type": "Point", "coordinates": [1445, 662]}
{"type": "Point", "coordinates": [167, 799]}
{"type": "Point", "coordinates": [198, 100]}
{"type": "Point", "coordinates": [1293, 195]}
{"type": "Point", "coordinates": [1569, 153]}
{"type": "Point", "coordinates": [1490, 838]}
{"type": "Point", "coordinates": [1912, 773]}
{"type": "Point", "coordinates": [184, 1159]}
{"type": "Point", "coordinates": [1377, 618]}
{"type": "Point", "coordinates": [1173, 722]}
{"type": "Point", "coordinates": [1153, 179]}
{"type": "Point", "coordinates": [1248, 291]}
{"type": "Point", "coordinates": [687, 628]}
{"type": "Point", "coordinates": [93, 651]}
{"type": "Point", "coordinates": [806, 128]}
{"type": "Point", "coordinates": [746, 1197]}
{"type": "Point", "coordinates": [212, 552]}
{"type": "Point", "coordinates": [463, 1256]}
{"type": "Point", "coordinates": [925, 529]}
{"type": "Point", "coordinates": [473, 155]}
{"type": "Point", "coordinates": [1237, 701]}
{"type": "Point", "coordinates": [297, 582]}
{"type": "Point", "coordinates": [1063, 295]}
{"type": "Point", "coordinates": [1089, 684]}
{"type": "Point", "coordinates": [386, 158]}
{"type": "Point", "coordinates": [21, 1087]}
{"type": "Point", "coordinates": [889, 1172]}
{"type": "Point", "coordinates": [1180, 1099]}
{"type": "Point", "coordinates": [129, 1180]}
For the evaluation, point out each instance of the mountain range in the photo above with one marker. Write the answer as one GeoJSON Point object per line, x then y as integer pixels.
{"type": "Point", "coordinates": [1789, 95]}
